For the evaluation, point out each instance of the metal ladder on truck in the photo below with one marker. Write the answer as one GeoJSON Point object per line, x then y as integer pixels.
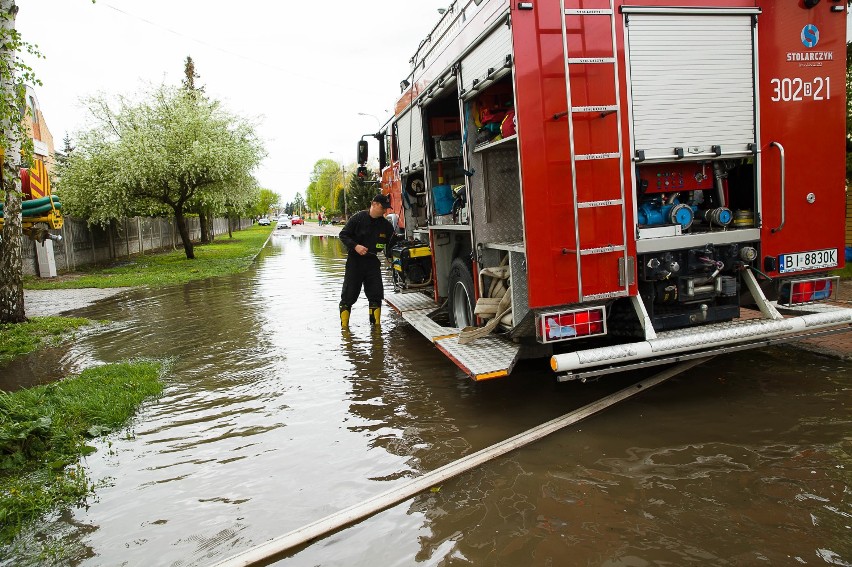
{"type": "Point", "coordinates": [623, 269]}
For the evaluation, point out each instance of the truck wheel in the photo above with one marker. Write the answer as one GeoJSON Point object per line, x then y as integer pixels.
{"type": "Point", "coordinates": [460, 294]}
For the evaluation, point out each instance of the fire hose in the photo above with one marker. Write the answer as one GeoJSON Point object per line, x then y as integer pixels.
{"type": "Point", "coordinates": [496, 306]}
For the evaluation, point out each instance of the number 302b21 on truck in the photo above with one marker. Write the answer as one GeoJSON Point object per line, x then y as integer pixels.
{"type": "Point", "coordinates": [619, 184]}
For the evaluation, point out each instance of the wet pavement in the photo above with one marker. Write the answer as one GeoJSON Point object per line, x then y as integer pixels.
{"type": "Point", "coordinates": [836, 345]}
{"type": "Point", "coordinates": [50, 302]}
{"type": "Point", "coordinates": [273, 418]}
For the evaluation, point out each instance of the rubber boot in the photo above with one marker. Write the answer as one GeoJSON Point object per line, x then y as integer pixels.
{"type": "Point", "coordinates": [344, 316]}
{"type": "Point", "coordinates": [375, 314]}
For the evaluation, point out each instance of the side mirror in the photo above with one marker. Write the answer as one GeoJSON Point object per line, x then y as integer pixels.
{"type": "Point", "coordinates": [362, 152]}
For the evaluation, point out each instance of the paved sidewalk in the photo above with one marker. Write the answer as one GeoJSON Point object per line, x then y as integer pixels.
{"type": "Point", "coordinates": [836, 346]}
{"type": "Point", "coordinates": [48, 302]}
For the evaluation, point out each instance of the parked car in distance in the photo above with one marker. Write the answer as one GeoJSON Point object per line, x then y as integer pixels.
{"type": "Point", "coordinates": [283, 222]}
{"type": "Point", "coordinates": [297, 220]}
{"type": "Point", "coordinates": [264, 222]}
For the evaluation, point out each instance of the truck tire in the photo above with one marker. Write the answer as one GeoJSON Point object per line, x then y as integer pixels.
{"type": "Point", "coordinates": [460, 294]}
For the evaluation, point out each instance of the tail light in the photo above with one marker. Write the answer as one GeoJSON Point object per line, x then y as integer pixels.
{"type": "Point", "coordinates": [566, 325]}
{"type": "Point", "coordinates": [797, 292]}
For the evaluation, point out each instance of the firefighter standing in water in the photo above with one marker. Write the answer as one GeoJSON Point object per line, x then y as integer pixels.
{"type": "Point", "coordinates": [365, 235]}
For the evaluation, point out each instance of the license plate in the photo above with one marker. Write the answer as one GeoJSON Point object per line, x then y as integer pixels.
{"type": "Point", "coordinates": [813, 260]}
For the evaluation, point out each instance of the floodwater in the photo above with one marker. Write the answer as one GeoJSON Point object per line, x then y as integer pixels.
{"type": "Point", "coordinates": [273, 418]}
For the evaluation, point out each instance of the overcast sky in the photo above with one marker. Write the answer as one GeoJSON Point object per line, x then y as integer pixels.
{"type": "Point", "coordinates": [303, 70]}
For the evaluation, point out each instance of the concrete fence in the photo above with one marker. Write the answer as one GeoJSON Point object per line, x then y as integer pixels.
{"type": "Point", "coordinates": [83, 245]}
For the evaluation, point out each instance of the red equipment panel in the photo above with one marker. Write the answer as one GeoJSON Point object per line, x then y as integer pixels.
{"type": "Point", "coordinates": [802, 103]}
{"type": "Point", "coordinates": [675, 177]}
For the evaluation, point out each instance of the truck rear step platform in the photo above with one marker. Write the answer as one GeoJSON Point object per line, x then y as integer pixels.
{"type": "Point", "coordinates": [749, 331]}
{"type": "Point", "coordinates": [495, 356]}
{"type": "Point", "coordinates": [485, 358]}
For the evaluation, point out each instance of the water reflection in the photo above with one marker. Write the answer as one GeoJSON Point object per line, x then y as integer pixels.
{"type": "Point", "coordinates": [712, 469]}
{"type": "Point", "coordinates": [273, 417]}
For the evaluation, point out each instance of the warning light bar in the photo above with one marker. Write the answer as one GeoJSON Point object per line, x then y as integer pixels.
{"type": "Point", "coordinates": [797, 292]}
{"type": "Point", "coordinates": [566, 325]}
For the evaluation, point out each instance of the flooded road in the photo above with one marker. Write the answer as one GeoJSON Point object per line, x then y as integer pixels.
{"type": "Point", "coordinates": [273, 418]}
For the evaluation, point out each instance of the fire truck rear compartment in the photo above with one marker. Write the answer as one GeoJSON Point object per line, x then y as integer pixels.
{"type": "Point", "coordinates": [495, 356]}
{"type": "Point", "coordinates": [694, 286]}
{"type": "Point", "coordinates": [633, 207]}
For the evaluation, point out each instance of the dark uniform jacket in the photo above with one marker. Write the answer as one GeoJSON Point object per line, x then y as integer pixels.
{"type": "Point", "coordinates": [363, 229]}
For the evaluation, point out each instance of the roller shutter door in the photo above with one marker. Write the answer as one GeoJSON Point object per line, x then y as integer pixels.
{"type": "Point", "coordinates": [692, 83]}
{"type": "Point", "coordinates": [410, 139]}
{"type": "Point", "coordinates": [494, 53]}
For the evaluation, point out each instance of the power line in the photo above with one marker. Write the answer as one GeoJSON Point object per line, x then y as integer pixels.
{"type": "Point", "coordinates": [254, 60]}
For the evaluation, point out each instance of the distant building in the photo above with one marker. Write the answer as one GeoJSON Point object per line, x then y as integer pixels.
{"type": "Point", "coordinates": [37, 127]}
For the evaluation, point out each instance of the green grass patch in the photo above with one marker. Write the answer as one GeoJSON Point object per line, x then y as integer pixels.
{"type": "Point", "coordinates": [17, 339]}
{"type": "Point", "coordinates": [224, 256]}
{"type": "Point", "coordinates": [45, 430]}
{"type": "Point", "coordinates": [845, 273]}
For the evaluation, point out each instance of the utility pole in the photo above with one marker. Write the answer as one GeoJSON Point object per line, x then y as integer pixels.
{"type": "Point", "coordinates": [345, 213]}
{"type": "Point", "coordinates": [343, 184]}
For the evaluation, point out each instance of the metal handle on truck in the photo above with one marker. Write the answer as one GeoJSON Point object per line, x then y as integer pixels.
{"type": "Point", "coordinates": [783, 187]}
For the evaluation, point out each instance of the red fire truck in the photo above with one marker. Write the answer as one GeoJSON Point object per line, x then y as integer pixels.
{"type": "Point", "coordinates": [619, 184]}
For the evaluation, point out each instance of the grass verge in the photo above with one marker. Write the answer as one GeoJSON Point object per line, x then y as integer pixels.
{"type": "Point", "coordinates": [44, 431]}
{"type": "Point", "coordinates": [224, 256]}
{"type": "Point", "coordinates": [845, 273]}
{"type": "Point", "coordinates": [21, 338]}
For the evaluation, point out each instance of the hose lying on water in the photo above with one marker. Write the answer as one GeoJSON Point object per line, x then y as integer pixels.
{"type": "Point", "coordinates": [274, 549]}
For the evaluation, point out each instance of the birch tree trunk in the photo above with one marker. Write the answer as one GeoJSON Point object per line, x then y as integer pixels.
{"type": "Point", "coordinates": [11, 260]}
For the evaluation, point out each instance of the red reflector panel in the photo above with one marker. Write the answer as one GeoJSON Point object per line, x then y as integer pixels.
{"type": "Point", "coordinates": [571, 325]}
{"type": "Point", "coordinates": [807, 291]}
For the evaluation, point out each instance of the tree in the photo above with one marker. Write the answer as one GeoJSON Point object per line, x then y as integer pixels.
{"type": "Point", "coordinates": [264, 201]}
{"type": "Point", "coordinates": [342, 201]}
{"type": "Point", "coordinates": [326, 186]}
{"type": "Point", "coordinates": [298, 205]}
{"type": "Point", "coordinates": [360, 192]}
{"type": "Point", "coordinates": [14, 75]}
{"type": "Point", "coordinates": [67, 148]}
{"type": "Point", "coordinates": [189, 76]}
{"type": "Point", "coordinates": [160, 156]}
{"type": "Point", "coordinates": [311, 197]}
{"type": "Point", "coordinates": [205, 212]}
{"type": "Point", "coordinates": [239, 205]}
